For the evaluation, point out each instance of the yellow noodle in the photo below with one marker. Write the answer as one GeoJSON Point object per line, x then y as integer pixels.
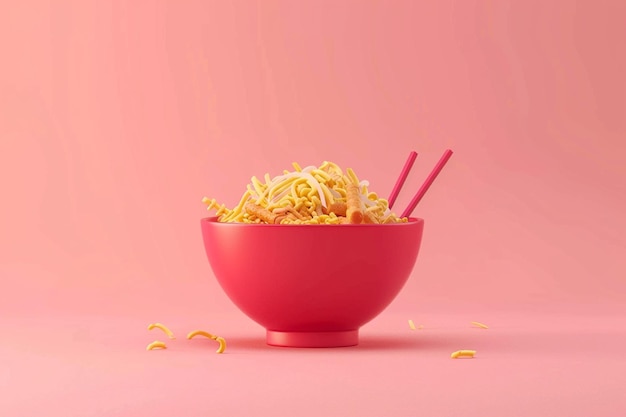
{"type": "Point", "coordinates": [342, 190]}
{"type": "Point", "coordinates": [280, 187]}
{"type": "Point", "coordinates": [352, 176]}
{"type": "Point", "coordinates": [302, 189]}
{"type": "Point", "coordinates": [327, 194]}
{"type": "Point", "coordinates": [295, 184]}
{"type": "Point", "coordinates": [258, 186]}
{"type": "Point", "coordinates": [316, 202]}
{"type": "Point", "coordinates": [235, 212]}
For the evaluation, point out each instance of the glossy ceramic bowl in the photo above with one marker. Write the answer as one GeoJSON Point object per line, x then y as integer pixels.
{"type": "Point", "coordinates": [312, 285]}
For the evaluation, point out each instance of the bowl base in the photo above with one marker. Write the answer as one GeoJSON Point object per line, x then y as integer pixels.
{"type": "Point", "coordinates": [313, 339]}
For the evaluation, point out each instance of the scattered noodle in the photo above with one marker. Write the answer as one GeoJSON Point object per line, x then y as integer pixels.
{"type": "Point", "coordinates": [195, 333]}
{"type": "Point", "coordinates": [156, 345]}
{"type": "Point", "coordinates": [463, 354]}
{"type": "Point", "coordinates": [309, 195]}
{"type": "Point", "coordinates": [482, 326]}
{"type": "Point", "coordinates": [167, 331]}
{"type": "Point", "coordinates": [218, 339]}
{"type": "Point", "coordinates": [222, 343]}
{"type": "Point", "coordinates": [411, 325]}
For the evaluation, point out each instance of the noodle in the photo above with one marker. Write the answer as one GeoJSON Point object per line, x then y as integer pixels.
{"type": "Point", "coordinates": [310, 195]}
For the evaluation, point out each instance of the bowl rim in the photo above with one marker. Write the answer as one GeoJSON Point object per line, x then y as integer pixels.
{"type": "Point", "coordinates": [213, 220]}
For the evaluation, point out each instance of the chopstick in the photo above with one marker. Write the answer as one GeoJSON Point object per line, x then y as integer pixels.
{"type": "Point", "coordinates": [429, 181]}
{"type": "Point", "coordinates": [402, 178]}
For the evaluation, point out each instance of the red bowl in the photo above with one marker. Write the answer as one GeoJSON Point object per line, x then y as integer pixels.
{"type": "Point", "coordinates": [312, 285]}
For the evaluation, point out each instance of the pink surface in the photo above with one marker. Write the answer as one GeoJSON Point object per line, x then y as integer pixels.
{"type": "Point", "coordinates": [117, 117]}
{"type": "Point", "coordinates": [540, 364]}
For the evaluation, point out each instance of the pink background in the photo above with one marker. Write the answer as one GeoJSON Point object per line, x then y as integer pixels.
{"type": "Point", "coordinates": [117, 117]}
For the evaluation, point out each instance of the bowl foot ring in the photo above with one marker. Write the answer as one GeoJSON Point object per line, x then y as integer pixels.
{"type": "Point", "coordinates": [313, 339]}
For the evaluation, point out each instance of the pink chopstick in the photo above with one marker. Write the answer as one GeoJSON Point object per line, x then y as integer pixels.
{"type": "Point", "coordinates": [429, 181]}
{"type": "Point", "coordinates": [402, 178]}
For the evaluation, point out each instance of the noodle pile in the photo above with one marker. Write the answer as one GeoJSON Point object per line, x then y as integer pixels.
{"type": "Point", "coordinates": [310, 195]}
